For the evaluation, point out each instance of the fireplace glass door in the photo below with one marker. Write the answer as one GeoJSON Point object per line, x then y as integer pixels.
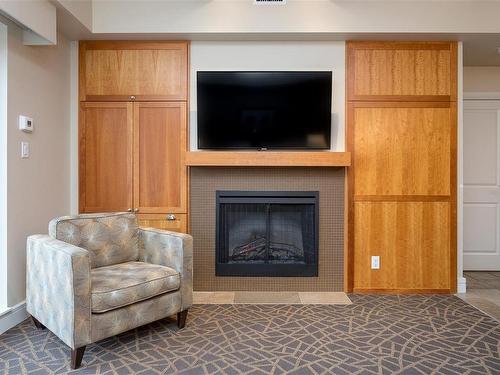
{"type": "Point", "coordinates": [267, 233]}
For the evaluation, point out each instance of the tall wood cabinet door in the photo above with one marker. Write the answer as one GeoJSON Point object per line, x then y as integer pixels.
{"type": "Point", "coordinates": [124, 70]}
{"type": "Point", "coordinates": [106, 145]}
{"type": "Point", "coordinates": [160, 143]}
{"type": "Point", "coordinates": [402, 148]}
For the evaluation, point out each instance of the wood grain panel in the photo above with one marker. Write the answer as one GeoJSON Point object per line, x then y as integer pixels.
{"type": "Point", "coordinates": [403, 150]}
{"type": "Point", "coordinates": [268, 159]}
{"type": "Point", "coordinates": [402, 134]}
{"type": "Point", "coordinates": [119, 70]}
{"type": "Point", "coordinates": [412, 240]}
{"type": "Point", "coordinates": [159, 221]}
{"type": "Point", "coordinates": [105, 157]}
{"type": "Point", "coordinates": [160, 175]}
{"type": "Point", "coordinates": [402, 71]}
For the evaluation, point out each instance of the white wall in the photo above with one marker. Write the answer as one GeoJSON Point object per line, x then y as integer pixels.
{"type": "Point", "coordinates": [273, 56]}
{"type": "Point", "coordinates": [80, 9]}
{"type": "Point", "coordinates": [297, 16]}
{"type": "Point", "coordinates": [37, 16]}
{"type": "Point", "coordinates": [3, 167]}
{"type": "Point", "coordinates": [481, 79]}
{"type": "Point", "coordinates": [38, 187]}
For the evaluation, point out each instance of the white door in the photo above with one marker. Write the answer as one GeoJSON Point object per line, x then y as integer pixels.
{"type": "Point", "coordinates": [481, 175]}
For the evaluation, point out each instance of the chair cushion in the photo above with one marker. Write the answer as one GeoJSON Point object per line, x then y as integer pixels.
{"type": "Point", "coordinates": [126, 283]}
{"type": "Point", "coordinates": [110, 238]}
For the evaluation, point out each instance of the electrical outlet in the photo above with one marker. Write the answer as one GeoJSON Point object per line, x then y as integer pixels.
{"type": "Point", "coordinates": [375, 262]}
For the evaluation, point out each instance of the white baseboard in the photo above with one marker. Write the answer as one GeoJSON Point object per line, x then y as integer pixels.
{"type": "Point", "coordinates": [461, 285]}
{"type": "Point", "coordinates": [13, 316]}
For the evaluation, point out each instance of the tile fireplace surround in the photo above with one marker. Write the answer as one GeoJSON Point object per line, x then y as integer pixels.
{"type": "Point", "coordinates": [329, 182]}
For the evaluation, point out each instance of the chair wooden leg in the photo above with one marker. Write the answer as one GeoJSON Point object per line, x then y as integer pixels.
{"type": "Point", "coordinates": [181, 318]}
{"type": "Point", "coordinates": [37, 324]}
{"type": "Point", "coordinates": [76, 357]}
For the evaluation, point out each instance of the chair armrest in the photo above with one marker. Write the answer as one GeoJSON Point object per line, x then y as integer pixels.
{"type": "Point", "coordinates": [58, 288]}
{"type": "Point", "coordinates": [171, 249]}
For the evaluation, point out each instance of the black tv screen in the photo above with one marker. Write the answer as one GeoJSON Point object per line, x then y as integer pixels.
{"type": "Point", "coordinates": [264, 110]}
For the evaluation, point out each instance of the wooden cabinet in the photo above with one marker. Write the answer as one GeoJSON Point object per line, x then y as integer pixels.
{"type": "Point", "coordinates": [412, 71]}
{"type": "Point", "coordinates": [133, 130]}
{"type": "Point", "coordinates": [124, 70]}
{"type": "Point", "coordinates": [402, 134]}
{"type": "Point", "coordinates": [105, 156]}
{"type": "Point", "coordinates": [394, 143]}
{"type": "Point", "coordinates": [132, 157]}
{"type": "Point", "coordinates": [159, 162]}
{"type": "Point", "coordinates": [173, 222]}
{"type": "Point", "coordinates": [412, 240]}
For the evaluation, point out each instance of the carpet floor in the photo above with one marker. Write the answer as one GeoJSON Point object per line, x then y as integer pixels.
{"type": "Point", "coordinates": [374, 335]}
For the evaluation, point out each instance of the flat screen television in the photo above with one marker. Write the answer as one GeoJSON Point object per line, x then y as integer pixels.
{"type": "Point", "coordinates": [264, 110]}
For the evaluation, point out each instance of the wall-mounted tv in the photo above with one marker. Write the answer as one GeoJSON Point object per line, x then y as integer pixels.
{"type": "Point", "coordinates": [264, 110]}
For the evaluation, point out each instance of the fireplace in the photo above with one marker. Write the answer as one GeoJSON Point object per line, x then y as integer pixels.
{"type": "Point", "coordinates": [262, 233]}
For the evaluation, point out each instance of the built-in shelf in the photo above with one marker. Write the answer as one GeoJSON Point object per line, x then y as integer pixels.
{"type": "Point", "coordinates": [268, 159]}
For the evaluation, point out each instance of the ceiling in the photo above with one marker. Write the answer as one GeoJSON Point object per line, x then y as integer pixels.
{"type": "Point", "coordinates": [480, 49]}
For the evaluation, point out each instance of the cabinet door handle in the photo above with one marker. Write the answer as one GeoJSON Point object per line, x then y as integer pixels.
{"type": "Point", "coordinates": [132, 97]}
{"type": "Point", "coordinates": [170, 217]}
{"type": "Point", "coordinates": [129, 210]}
{"type": "Point", "coordinates": [136, 210]}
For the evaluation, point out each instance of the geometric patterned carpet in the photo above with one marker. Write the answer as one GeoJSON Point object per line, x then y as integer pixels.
{"type": "Point", "coordinates": [374, 335]}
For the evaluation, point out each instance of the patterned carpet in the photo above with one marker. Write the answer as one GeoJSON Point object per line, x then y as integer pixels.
{"type": "Point", "coordinates": [374, 335]}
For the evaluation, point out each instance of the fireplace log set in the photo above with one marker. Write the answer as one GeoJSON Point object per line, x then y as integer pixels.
{"type": "Point", "coordinates": [257, 250]}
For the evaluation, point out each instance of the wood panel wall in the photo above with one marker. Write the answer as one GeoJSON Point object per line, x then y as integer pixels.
{"type": "Point", "coordinates": [402, 133]}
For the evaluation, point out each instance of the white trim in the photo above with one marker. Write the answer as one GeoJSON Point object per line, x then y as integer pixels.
{"type": "Point", "coordinates": [13, 316]}
{"type": "Point", "coordinates": [3, 166]}
{"type": "Point", "coordinates": [460, 163]}
{"type": "Point", "coordinates": [492, 95]}
{"type": "Point", "coordinates": [461, 285]}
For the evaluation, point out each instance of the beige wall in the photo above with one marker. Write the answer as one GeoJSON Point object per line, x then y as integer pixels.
{"type": "Point", "coordinates": [481, 79]}
{"type": "Point", "coordinates": [38, 187]}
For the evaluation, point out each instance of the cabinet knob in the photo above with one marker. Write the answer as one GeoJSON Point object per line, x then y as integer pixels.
{"type": "Point", "coordinates": [136, 210]}
{"type": "Point", "coordinates": [129, 210]}
{"type": "Point", "coordinates": [132, 97]}
{"type": "Point", "coordinates": [170, 217]}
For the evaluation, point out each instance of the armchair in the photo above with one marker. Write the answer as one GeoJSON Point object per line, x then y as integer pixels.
{"type": "Point", "coordinates": [97, 275]}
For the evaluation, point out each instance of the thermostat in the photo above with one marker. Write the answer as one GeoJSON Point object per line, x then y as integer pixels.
{"type": "Point", "coordinates": [25, 124]}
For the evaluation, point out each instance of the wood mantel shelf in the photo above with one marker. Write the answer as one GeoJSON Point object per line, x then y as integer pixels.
{"type": "Point", "coordinates": [268, 159]}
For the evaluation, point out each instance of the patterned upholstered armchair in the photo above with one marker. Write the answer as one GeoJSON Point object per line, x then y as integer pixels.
{"type": "Point", "coordinates": [96, 276]}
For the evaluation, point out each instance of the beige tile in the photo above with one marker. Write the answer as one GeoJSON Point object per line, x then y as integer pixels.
{"type": "Point", "coordinates": [324, 298]}
{"type": "Point", "coordinates": [280, 298]}
{"type": "Point", "coordinates": [213, 298]}
{"type": "Point", "coordinates": [267, 298]}
{"type": "Point", "coordinates": [485, 306]}
{"type": "Point", "coordinates": [492, 295]}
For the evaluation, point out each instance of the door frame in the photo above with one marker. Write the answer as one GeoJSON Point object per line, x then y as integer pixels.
{"type": "Point", "coordinates": [3, 167]}
{"type": "Point", "coordinates": [467, 97]}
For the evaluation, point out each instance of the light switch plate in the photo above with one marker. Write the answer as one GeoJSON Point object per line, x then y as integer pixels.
{"type": "Point", "coordinates": [375, 262]}
{"type": "Point", "coordinates": [25, 150]}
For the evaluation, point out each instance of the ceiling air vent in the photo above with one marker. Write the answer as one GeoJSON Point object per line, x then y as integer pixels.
{"type": "Point", "coordinates": [269, 2]}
